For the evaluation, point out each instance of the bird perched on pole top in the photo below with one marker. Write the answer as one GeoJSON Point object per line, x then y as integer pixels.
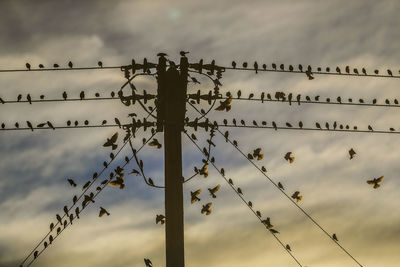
{"type": "Point", "coordinates": [183, 53]}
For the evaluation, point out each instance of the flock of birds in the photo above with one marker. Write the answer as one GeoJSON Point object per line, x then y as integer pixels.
{"type": "Point", "coordinates": [56, 66]}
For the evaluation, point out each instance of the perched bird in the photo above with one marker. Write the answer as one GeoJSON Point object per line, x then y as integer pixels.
{"type": "Point", "coordinates": [244, 65]}
{"type": "Point", "coordinates": [239, 190]}
{"type": "Point", "coordinates": [28, 66]}
{"type": "Point", "coordinates": [288, 247]}
{"type": "Point", "coordinates": [103, 211]}
{"type": "Point", "coordinates": [214, 190]}
{"type": "Point", "coordinates": [338, 70]}
{"type": "Point", "coordinates": [51, 239]}
{"type": "Point", "coordinates": [55, 65]}
{"type": "Point", "coordinates": [390, 72]}
{"type": "Point", "coordinates": [234, 64]}
{"type": "Point", "coordinates": [206, 209]}
{"type": "Point", "coordinates": [59, 218]}
{"type": "Point", "coordinates": [230, 181]}
{"type": "Point", "coordinates": [103, 122]}
{"type": "Point", "coordinates": [77, 212]}
{"type": "Point", "coordinates": [256, 66]}
{"type": "Point", "coordinates": [111, 141]}
{"type": "Point", "coordinates": [225, 105]}
{"type": "Point", "coordinates": [203, 171]}
{"type": "Point", "coordinates": [370, 128]}
{"type": "Point", "coordinates": [263, 169]}
{"type": "Point", "coordinates": [71, 218]}
{"type": "Point", "coordinates": [250, 204]}
{"type": "Point", "coordinates": [86, 185]}
{"type": "Point", "coordinates": [29, 125]}
{"type": "Point", "coordinates": [309, 75]}
{"type": "Point", "coordinates": [352, 153]}
{"type": "Point", "coordinates": [74, 199]}
{"type": "Point", "coordinates": [41, 66]}
{"type": "Point", "coordinates": [375, 182]}
{"type": "Point", "coordinates": [274, 125]}
{"type": "Point", "coordinates": [300, 124]}
{"type": "Point", "coordinates": [51, 226]}
{"type": "Point", "coordinates": [19, 97]}
{"type": "Point", "coordinates": [288, 157]}
{"type": "Point", "coordinates": [70, 64]}
{"type": "Point", "coordinates": [195, 196]}
{"type": "Point", "coordinates": [296, 195]}
{"type": "Point", "coordinates": [45, 244]}
{"type": "Point", "coordinates": [100, 64]}
{"type": "Point", "coordinates": [155, 142]}
{"type": "Point", "coordinates": [334, 237]}
{"type": "Point", "coordinates": [50, 125]}
{"type": "Point", "coordinates": [82, 95]}
{"type": "Point", "coordinates": [274, 231]}
{"type": "Point", "coordinates": [35, 254]}
{"type": "Point", "coordinates": [66, 210]}
{"type": "Point", "coordinates": [318, 125]}
{"type": "Point", "coordinates": [280, 186]}
{"type": "Point", "coordinates": [28, 97]}
{"type": "Point", "coordinates": [160, 219]}
{"type": "Point", "coordinates": [148, 263]}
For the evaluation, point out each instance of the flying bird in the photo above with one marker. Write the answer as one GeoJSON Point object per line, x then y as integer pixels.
{"type": "Point", "coordinates": [160, 219]}
{"type": "Point", "coordinates": [155, 142]}
{"type": "Point", "coordinates": [214, 190]}
{"type": "Point", "coordinates": [103, 211]}
{"type": "Point", "coordinates": [206, 209]}
{"type": "Point", "coordinates": [267, 223]}
{"type": "Point", "coordinates": [296, 195]}
{"type": "Point", "coordinates": [352, 153]}
{"type": "Point", "coordinates": [111, 142]}
{"type": "Point", "coordinates": [288, 157]}
{"type": "Point", "coordinates": [257, 154]}
{"type": "Point", "coordinates": [225, 105]}
{"type": "Point", "coordinates": [375, 182]}
{"type": "Point", "coordinates": [195, 196]}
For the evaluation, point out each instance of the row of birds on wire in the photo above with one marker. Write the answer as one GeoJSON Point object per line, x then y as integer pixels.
{"type": "Point", "coordinates": [116, 179]}
{"type": "Point", "coordinates": [281, 67]}
{"type": "Point", "coordinates": [70, 65]}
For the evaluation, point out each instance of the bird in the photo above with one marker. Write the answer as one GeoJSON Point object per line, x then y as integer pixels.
{"type": "Point", "coordinates": [160, 219]}
{"type": "Point", "coordinates": [318, 125]}
{"type": "Point", "coordinates": [300, 124]}
{"type": "Point", "coordinates": [296, 195]}
{"type": "Point", "coordinates": [51, 226]}
{"type": "Point", "coordinates": [85, 185]}
{"type": "Point", "coordinates": [273, 231]}
{"type": "Point", "coordinates": [19, 97]}
{"type": "Point", "coordinates": [35, 254]}
{"type": "Point", "coordinates": [50, 125]}
{"type": "Point", "coordinates": [347, 69]}
{"type": "Point", "coordinates": [230, 181]}
{"type": "Point", "coordinates": [103, 211]}
{"type": "Point", "coordinates": [274, 125]}
{"type": "Point", "coordinates": [309, 75]}
{"type": "Point", "coordinates": [257, 154]}
{"type": "Point", "coordinates": [256, 66]}
{"type": "Point", "coordinates": [82, 95]}
{"type": "Point", "coordinates": [334, 237]}
{"type": "Point", "coordinates": [338, 70]}
{"type": "Point", "coordinates": [16, 125]}
{"type": "Point", "coordinates": [206, 209]}
{"type": "Point", "coordinates": [300, 67]}
{"type": "Point", "coordinates": [273, 66]}
{"type": "Point", "coordinates": [29, 125]}
{"type": "Point", "coordinates": [225, 105]}
{"type": "Point", "coordinates": [45, 244]}
{"type": "Point", "coordinates": [55, 65]}
{"type": "Point", "coordinates": [390, 72]}
{"type": "Point", "coordinates": [70, 64]}
{"type": "Point", "coordinates": [51, 239]}
{"type": "Point", "coordinates": [66, 210]}
{"type": "Point", "coordinates": [28, 66]}
{"type": "Point", "coordinates": [352, 153]}
{"type": "Point", "coordinates": [288, 125]}
{"type": "Point", "coordinates": [100, 64]}
{"type": "Point", "coordinates": [203, 171]}
{"type": "Point", "coordinates": [239, 190]}
{"type": "Point", "coordinates": [148, 263]}
{"type": "Point", "coordinates": [111, 141]}
{"type": "Point", "coordinates": [280, 186]}
{"type": "Point", "coordinates": [375, 182]}
{"type": "Point", "coordinates": [370, 128]}
{"type": "Point", "coordinates": [250, 204]}
{"type": "Point", "coordinates": [155, 142]}
{"type": "Point", "coordinates": [244, 65]}
{"type": "Point", "coordinates": [59, 218]}
{"type": "Point", "coordinates": [364, 71]}
{"type": "Point", "coordinates": [263, 169]}
{"type": "Point", "coordinates": [74, 199]}
{"type": "Point", "coordinates": [77, 212]}
{"type": "Point", "coordinates": [234, 64]}
{"type": "Point", "coordinates": [195, 195]}
{"type": "Point", "coordinates": [214, 190]}
{"type": "Point", "coordinates": [28, 97]}
{"type": "Point", "coordinates": [71, 217]}
{"type": "Point", "coordinates": [288, 247]}
{"type": "Point", "coordinates": [288, 157]}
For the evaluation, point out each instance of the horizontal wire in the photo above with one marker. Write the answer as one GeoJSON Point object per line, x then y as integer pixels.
{"type": "Point", "coordinates": [60, 69]}
{"type": "Point", "coordinates": [312, 72]}
{"type": "Point", "coordinates": [95, 195]}
{"type": "Point", "coordinates": [284, 193]}
{"type": "Point", "coordinates": [59, 127]}
{"type": "Point", "coordinates": [59, 100]}
{"type": "Point", "coordinates": [244, 201]}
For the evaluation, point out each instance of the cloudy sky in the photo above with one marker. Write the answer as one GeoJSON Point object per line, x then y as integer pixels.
{"type": "Point", "coordinates": [34, 166]}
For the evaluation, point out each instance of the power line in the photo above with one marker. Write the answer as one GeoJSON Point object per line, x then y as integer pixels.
{"type": "Point", "coordinates": [97, 193]}
{"type": "Point", "coordinates": [244, 201]}
{"type": "Point", "coordinates": [60, 69]}
{"type": "Point", "coordinates": [59, 100]}
{"type": "Point", "coordinates": [287, 196]}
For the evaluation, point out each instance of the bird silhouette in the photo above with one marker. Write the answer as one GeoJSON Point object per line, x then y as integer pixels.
{"type": "Point", "coordinates": [214, 190]}
{"type": "Point", "coordinates": [347, 69]}
{"type": "Point", "coordinates": [160, 219]}
{"type": "Point", "coordinates": [334, 237]}
{"type": "Point", "coordinates": [288, 247]}
{"type": "Point", "coordinates": [239, 190]}
{"type": "Point", "coordinates": [28, 97]}
{"type": "Point", "coordinates": [234, 64]}
{"type": "Point", "coordinates": [338, 70]}
{"type": "Point", "coordinates": [225, 105]}
{"type": "Point", "coordinates": [318, 125]}
{"type": "Point", "coordinates": [59, 218]}
{"type": "Point", "coordinates": [50, 125]}
{"type": "Point", "coordinates": [100, 64]}
{"type": "Point", "coordinates": [288, 157]}
{"type": "Point", "coordinates": [257, 154]}
{"type": "Point", "coordinates": [274, 125]}
{"type": "Point", "coordinates": [376, 72]}
{"type": "Point", "coordinates": [370, 128]}
{"type": "Point", "coordinates": [45, 244]}
{"type": "Point", "coordinates": [148, 263]}
{"type": "Point", "coordinates": [280, 186]}
{"type": "Point", "coordinates": [273, 231]}
{"type": "Point", "coordinates": [256, 66]}
{"type": "Point", "coordinates": [71, 218]}
{"type": "Point", "coordinates": [352, 153]}
{"type": "Point", "coordinates": [206, 209]}
{"type": "Point", "coordinates": [19, 97]}
{"type": "Point", "coordinates": [195, 195]}
{"type": "Point", "coordinates": [300, 67]}
{"type": "Point", "coordinates": [267, 223]}
{"type": "Point", "coordinates": [77, 212]}
{"type": "Point", "coordinates": [55, 65]}
{"type": "Point", "coordinates": [230, 181]}
{"type": "Point", "coordinates": [296, 195]}
{"type": "Point", "coordinates": [51, 239]}
{"type": "Point", "coordinates": [288, 125]}
{"type": "Point", "coordinates": [70, 64]}
{"type": "Point", "coordinates": [263, 169]}
{"type": "Point", "coordinates": [264, 66]}
{"type": "Point", "coordinates": [111, 141]}
{"type": "Point", "coordinates": [82, 95]}
{"type": "Point", "coordinates": [250, 204]}
{"type": "Point", "coordinates": [16, 125]}
{"type": "Point", "coordinates": [29, 125]}
{"type": "Point", "coordinates": [66, 210]}
{"type": "Point", "coordinates": [375, 182]}
{"type": "Point", "coordinates": [390, 72]}
{"type": "Point", "coordinates": [309, 75]}
{"type": "Point", "coordinates": [300, 124]}
{"type": "Point", "coordinates": [74, 199]}
{"type": "Point", "coordinates": [51, 226]}
{"type": "Point", "coordinates": [35, 254]}
{"type": "Point", "coordinates": [155, 143]}
{"type": "Point", "coordinates": [273, 66]}
{"type": "Point", "coordinates": [244, 65]}
{"type": "Point", "coordinates": [86, 185]}
{"type": "Point", "coordinates": [364, 71]}
{"type": "Point", "coordinates": [356, 71]}
{"type": "Point", "coordinates": [103, 211]}
{"type": "Point", "coordinates": [203, 171]}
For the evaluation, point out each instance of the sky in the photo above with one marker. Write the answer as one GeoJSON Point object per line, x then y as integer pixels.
{"type": "Point", "coordinates": [35, 166]}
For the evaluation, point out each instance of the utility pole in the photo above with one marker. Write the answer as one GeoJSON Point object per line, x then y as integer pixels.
{"type": "Point", "coordinates": [171, 105]}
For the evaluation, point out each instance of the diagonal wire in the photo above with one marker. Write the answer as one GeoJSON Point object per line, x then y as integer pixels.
{"type": "Point", "coordinates": [244, 201]}
{"type": "Point", "coordinates": [82, 194]}
{"type": "Point", "coordinates": [287, 196]}
{"type": "Point", "coordinates": [97, 193]}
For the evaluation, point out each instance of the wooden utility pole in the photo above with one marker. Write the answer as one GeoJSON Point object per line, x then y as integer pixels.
{"type": "Point", "coordinates": [172, 87]}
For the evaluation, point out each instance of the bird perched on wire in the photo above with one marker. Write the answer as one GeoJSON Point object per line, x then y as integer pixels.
{"type": "Point", "coordinates": [280, 186]}
{"type": "Point", "coordinates": [206, 209]}
{"type": "Point", "coordinates": [214, 190]}
{"type": "Point", "coordinates": [103, 211]}
{"type": "Point", "coordinates": [85, 185]}
{"type": "Point", "coordinates": [375, 182]}
{"type": "Point", "coordinates": [155, 142]}
{"type": "Point", "coordinates": [352, 153]}
{"type": "Point", "coordinates": [288, 157]}
{"type": "Point", "coordinates": [70, 64]}
{"type": "Point", "coordinates": [225, 105]}
{"type": "Point", "coordinates": [82, 95]}
{"type": "Point", "coordinates": [334, 237]}
{"type": "Point", "coordinates": [296, 195]}
{"type": "Point", "coordinates": [203, 171]}
{"type": "Point", "coordinates": [257, 154]}
{"type": "Point", "coordinates": [195, 196]}
{"type": "Point", "coordinates": [148, 263]}
{"type": "Point", "coordinates": [28, 66]}
{"type": "Point", "coordinates": [267, 223]}
{"type": "Point", "coordinates": [111, 142]}
{"type": "Point", "coordinates": [160, 219]}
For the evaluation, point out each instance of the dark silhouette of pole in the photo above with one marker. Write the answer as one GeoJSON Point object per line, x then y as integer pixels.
{"type": "Point", "coordinates": [172, 90]}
